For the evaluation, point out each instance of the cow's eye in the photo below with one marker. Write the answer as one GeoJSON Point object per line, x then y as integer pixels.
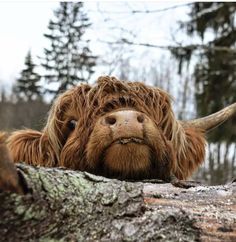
{"type": "Point", "coordinates": [72, 124]}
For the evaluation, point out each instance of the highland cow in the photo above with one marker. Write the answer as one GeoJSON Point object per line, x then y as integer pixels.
{"type": "Point", "coordinates": [117, 129]}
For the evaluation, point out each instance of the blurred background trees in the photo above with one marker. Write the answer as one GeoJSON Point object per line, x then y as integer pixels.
{"type": "Point", "coordinates": [214, 72]}
{"type": "Point", "coordinates": [214, 77]}
{"type": "Point", "coordinates": [68, 60]}
{"type": "Point", "coordinates": [197, 68]}
{"type": "Point", "coordinates": [27, 86]}
{"type": "Point", "coordinates": [25, 106]}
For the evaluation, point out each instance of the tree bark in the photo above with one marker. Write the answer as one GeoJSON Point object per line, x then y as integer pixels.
{"type": "Point", "coordinates": [64, 205]}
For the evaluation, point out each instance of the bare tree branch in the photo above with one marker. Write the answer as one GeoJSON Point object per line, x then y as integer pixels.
{"type": "Point", "coordinates": [191, 47]}
{"type": "Point", "coordinates": [148, 11]}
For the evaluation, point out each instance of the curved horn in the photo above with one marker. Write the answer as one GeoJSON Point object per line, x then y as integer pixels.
{"type": "Point", "coordinates": [210, 122]}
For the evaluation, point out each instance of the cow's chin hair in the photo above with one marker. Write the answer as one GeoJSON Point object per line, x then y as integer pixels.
{"type": "Point", "coordinates": [127, 161]}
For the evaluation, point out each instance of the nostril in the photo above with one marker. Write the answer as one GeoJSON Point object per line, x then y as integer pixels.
{"type": "Point", "coordinates": [140, 118]}
{"type": "Point", "coordinates": [110, 120]}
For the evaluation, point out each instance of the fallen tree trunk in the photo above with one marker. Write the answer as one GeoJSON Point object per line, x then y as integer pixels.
{"type": "Point", "coordinates": [64, 205]}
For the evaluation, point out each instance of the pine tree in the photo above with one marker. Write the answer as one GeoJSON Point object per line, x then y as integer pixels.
{"type": "Point", "coordinates": [215, 72]}
{"type": "Point", "coordinates": [69, 59]}
{"type": "Point", "coordinates": [27, 87]}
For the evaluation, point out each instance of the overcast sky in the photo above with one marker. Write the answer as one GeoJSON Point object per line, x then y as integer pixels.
{"type": "Point", "coordinates": [22, 25]}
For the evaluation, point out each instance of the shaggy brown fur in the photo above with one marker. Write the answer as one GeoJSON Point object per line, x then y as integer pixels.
{"type": "Point", "coordinates": [168, 146]}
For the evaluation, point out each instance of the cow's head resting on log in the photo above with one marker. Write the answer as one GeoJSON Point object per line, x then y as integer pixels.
{"type": "Point", "coordinates": [117, 129]}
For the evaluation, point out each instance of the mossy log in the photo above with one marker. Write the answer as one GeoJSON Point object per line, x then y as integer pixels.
{"type": "Point", "coordinates": [65, 205]}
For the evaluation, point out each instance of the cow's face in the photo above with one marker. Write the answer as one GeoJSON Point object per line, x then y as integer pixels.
{"type": "Point", "coordinates": [114, 129]}
{"type": "Point", "coordinates": [127, 143]}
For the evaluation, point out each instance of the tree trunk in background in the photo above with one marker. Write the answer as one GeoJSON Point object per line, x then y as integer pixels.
{"type": "Point", "coordinates": [66, 205]}
{"type": "Point", "coordinates": [233, 162]}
